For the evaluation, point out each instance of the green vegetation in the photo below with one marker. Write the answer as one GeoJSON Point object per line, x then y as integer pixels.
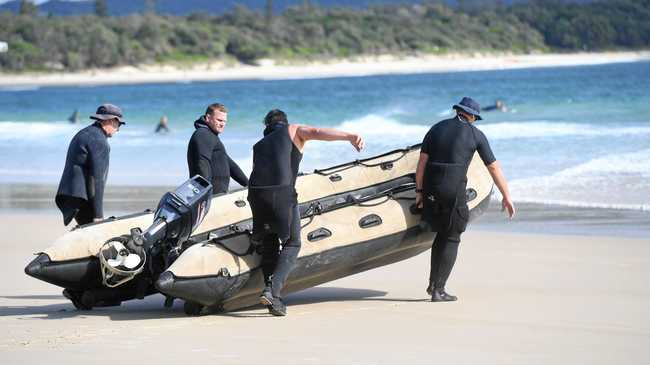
{"type": "Point", "coordinates": [312, 33]}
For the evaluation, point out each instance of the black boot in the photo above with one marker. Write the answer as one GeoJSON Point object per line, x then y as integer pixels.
{"type": "Point", "coordinates": [277, 307]}
{"type": "Point", "coordinates": [266, 298]}
{"type": "Point", "coordinates": [439, 295]}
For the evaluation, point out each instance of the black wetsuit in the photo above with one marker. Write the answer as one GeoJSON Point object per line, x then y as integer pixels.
{"type": "Point", "coordinates": [273, 199]}
{"type": "Point", "coordinates": [81, 189]}
{"type": "Point", "coordinates": [206, 156]}
{"type": "Point", "coordinates": [450, 145]}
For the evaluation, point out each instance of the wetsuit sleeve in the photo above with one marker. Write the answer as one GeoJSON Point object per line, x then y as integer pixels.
{"type": "Point", "coordinates": [426, 142]}
{"type": "Point", "coordinates": [483, 148]}
{"type": "Point", "coordinates": [98, 159]}
{"type": "Point", "coordinates": [200, 159]}
{"type": "Point", "coordinates": [236, 173]}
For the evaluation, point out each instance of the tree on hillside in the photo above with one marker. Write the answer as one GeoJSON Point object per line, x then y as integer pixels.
{"type": "Point", "coordinates": [150, 6]}
{"type": "Point", "coordinates": [101, 9]}
{"type": "Point", "coordinates": [269, 12]}
{"type": "Point", "coordinates": [27, 7]}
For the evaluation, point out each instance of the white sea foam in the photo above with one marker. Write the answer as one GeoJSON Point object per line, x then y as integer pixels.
{"type": "Point", "coordinates": [35, 130]}
{"type": "Point", "coordinates": [620, 181]}
{"type": "Point", "coordinates": [543, 129]}
{"type": "Point", "coordinates": [377, 127]}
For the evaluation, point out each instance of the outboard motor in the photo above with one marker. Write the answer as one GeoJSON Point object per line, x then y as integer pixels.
{"type": "Point", "coordinates": [178, 214]}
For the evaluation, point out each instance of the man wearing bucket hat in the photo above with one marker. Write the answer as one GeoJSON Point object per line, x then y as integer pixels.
{"type": "Point", "coordinates": [441, 180]}
{"type": "Point", "coordinates": [81, 189]}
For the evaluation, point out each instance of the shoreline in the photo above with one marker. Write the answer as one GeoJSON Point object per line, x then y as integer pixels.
{"type": "Point", "coordinates": [270, 70]}
{"type": "Point", "coordinates": [531, 218]}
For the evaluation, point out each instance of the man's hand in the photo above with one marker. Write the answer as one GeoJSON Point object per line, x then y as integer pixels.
{"type": "Point", "coordinates": [418, 201]}
{"type": "Point", "coordinates": [506, 204]}
{"type": "Point", "coordinates": [357, 142]}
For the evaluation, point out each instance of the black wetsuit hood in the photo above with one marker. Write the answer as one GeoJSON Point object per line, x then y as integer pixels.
{"type": "Point", "coordinates": [200, 123]}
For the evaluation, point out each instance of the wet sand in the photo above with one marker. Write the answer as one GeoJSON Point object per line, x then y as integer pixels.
{"type": "Point", "coordinates": [524, 298]}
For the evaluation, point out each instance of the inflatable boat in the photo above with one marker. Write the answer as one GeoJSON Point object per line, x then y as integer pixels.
{"type": "Point", "coordinates": [355, 217]}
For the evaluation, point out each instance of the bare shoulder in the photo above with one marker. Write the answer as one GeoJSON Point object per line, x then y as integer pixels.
{"type": "Point", "coordinates": [296, 132]}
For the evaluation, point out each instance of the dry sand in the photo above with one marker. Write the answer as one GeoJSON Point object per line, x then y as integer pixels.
{"type": "Point", "coordinates": [523, 299]}
{"type": "Point", "coordinates": [363, 66]}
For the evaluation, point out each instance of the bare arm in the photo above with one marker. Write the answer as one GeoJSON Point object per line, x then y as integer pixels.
{"type": "Point", "coordinates": [497, 176]}
{"type": "Point", "coordinates": [419, 178]}
{"type": "Point", "coordinates": [303, 133]}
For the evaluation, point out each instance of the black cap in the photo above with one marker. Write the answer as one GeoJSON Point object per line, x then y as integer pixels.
{"type": "Point", "coordinates": [469, 105]}
{"type": "Point", "coordinates": [108, 111]}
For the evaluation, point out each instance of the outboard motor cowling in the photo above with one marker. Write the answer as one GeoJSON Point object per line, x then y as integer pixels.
{"type": "Point", "coordinates": [178, 214]}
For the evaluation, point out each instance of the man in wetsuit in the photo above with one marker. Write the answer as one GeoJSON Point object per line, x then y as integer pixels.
{"type": "Point", "coordinates": [274, 201]}
{"type": "Point", "coordinates": [206, 154]}
{"type": "Point", "coordinates": [81, 189]}
{"type": "Point", "coordinates": [441, 181]}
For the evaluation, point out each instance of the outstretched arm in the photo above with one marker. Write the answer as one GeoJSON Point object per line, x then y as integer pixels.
{"type": "Point", "coordinates": [497, 176]}
{"type": "Point", "coordinates": [306, 133]}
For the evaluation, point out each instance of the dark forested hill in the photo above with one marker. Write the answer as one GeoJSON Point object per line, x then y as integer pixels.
{"type": "Point", "coordinates": [312, 32]}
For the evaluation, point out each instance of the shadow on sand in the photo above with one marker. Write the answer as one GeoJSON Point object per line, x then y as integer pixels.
{"type": "Point", "coordinates": [322, 295]}
{"type": "Point", "coordinates": [152, 306]}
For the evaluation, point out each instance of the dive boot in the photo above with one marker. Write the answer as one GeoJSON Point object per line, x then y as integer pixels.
{"type": "Point", "coordinates": [266, 298]}
{"type": "Point", "coordinates": [439, 295]}
{"type": "Point", "coordinates": [277, 307]}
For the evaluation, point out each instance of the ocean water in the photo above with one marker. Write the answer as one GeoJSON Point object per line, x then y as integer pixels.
{"type": "Point", "coordinates": [574, 136]}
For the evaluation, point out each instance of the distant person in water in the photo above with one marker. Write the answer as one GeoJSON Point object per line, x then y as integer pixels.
{"type": "Point", "coordinates": [163, 125]}
{"type": "Point", "coordinates": [274, 200]}
{"type": "Point", "coordinates": [498, 105]}
{"type": "Point", "coordinates": [441, 183]}
{"type": "Point", "coordinates": [206, 154]}
{"type": "Point", "coordinates": [81, 189]}
{"type": "Point", "coordinates": [74, 118]}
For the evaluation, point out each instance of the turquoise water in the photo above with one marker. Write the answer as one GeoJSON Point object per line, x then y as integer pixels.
{"type": "Point", "coordinates": [573, 136]}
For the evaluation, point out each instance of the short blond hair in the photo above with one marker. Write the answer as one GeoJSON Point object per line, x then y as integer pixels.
{"type": "Point", "coordinates": [216, 106]}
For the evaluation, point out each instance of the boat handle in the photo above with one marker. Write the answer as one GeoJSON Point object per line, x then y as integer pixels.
{"type": "Point", "coordinates": [370, 220]}
{"type": "Point", "coordinates": [470, 194]}
{"type": "Point", "coordinates": [240, 203]}
{"type": "Point", "coordinates": [386, 165]}
{"type": "Point", "coordinates": [335, 178]}
{"type": "Point", "coordinates": [319, 234]}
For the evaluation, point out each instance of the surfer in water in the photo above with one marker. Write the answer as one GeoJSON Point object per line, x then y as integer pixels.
{"type": "Point", "coordinates": [274, 201]}
{"type": "Point", "coordinates": [163, 125]}
{"type": "Point", "coordinates": [441, 181]}
{"type": "Point", "coordinates": [74, 117]}
{"type": "Point", "coordinates": [498, 105]}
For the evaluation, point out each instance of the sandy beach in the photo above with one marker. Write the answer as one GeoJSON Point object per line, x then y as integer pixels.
{"type": "Point", "coordinates": [524, 298]}
{"type": "Point", "coordinates": [362, 66]}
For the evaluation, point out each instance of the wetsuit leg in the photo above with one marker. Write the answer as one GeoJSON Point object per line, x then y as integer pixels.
{"type": "Point", "coordinates": [447, 259]}
{"type": "Point", "coordinates": [270, 251]}
{"type": "Point", "coordinates": [437, 248]}
{"type": "Point", "coordinates": [288, 254]}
